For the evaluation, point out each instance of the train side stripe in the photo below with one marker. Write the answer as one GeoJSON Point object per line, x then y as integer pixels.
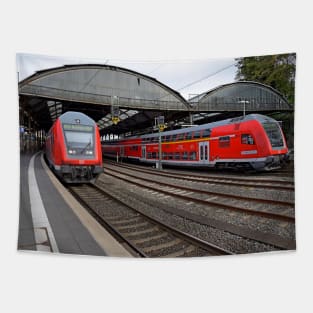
{"type": "Point", "coordinates": [165, 142]}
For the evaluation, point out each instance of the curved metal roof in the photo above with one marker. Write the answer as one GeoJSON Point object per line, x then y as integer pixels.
{"type": "Point", "coordinates": [97, 84]}
{"type": "Point", "coordinates": [231, 97]}
{"type": "Point", "coordinates": [93, 89]}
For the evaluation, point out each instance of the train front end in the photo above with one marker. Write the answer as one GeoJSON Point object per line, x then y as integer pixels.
{"type": "Point", "coordinates": [278, 154]}
{"type": "Point", "coordinates": [81, 150]}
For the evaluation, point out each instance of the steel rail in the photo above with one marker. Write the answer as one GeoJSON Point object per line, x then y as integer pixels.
{"type": "Point", "coordinates": [207, 202]}
{"type": "Point", "coordinates": [211, 248]}
{"type": "Point", "coordinates": [216, 179]}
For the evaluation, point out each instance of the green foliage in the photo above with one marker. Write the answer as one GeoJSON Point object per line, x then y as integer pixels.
{"type": "Point", "coordinates": [277, 71]}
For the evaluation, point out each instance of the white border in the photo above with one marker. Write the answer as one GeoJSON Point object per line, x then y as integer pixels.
{"type": "Point", "coordinates": [155, 30]}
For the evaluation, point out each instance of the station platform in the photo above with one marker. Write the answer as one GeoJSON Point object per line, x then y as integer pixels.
{"type": "Point", "coordinates": [52, 220]}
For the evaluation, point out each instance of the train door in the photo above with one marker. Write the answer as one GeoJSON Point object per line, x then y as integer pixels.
{"type": "Point", "coordinates": [143, 152]}
{"type": "Point", "coordinates": [122, 153]}
{"type": "Point", "coordinates": [204, 152]}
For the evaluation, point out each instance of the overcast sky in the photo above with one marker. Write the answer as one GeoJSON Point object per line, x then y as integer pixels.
{"type": "Point", "coordinates": [188, 77]}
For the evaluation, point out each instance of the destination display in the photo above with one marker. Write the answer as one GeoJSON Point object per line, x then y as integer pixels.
{"type": "Point", "coordinates": [78, 127]}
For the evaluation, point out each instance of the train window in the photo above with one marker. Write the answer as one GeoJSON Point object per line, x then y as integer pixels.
{"type": "Point", "coordinates": [180, 136]}
{"type": "Point", "coordinates": [185, 155]}
{"type": "Point", "coordinates": [154, 156]}
{"type": "Point", "coordinates": [188, 135]}
{"type": "Point", "coordinates": [177, 156]}
{"type": "Point", "coordinates": [174, 137]}
{"type": "Point", "coordinates": [196, 135]}
{"type": "Point", "coordinates": [170, 156]}
{"type": "Point", "coordinates": [247, 139]}
{"type": "Point", "coordinates": [193, 155]}
{"type": "Point", "coordinates": [167, 138]}
{"type": "Point", "coordinates": [206, 133]}
{"type": "Point", "coordinates": [224, 142]}
{"type": "Point", "coordinates": [149, 155]}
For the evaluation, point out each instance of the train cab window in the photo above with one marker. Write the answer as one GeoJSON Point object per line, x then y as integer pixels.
{"type": "Point", "coordinates": [247, 139]}
{"type": "Point", "coordinates": [206, 133]}
{"type": "Point", "coordinates": [196, 135]}
{"type": "Point", "coordinates": [224, 142]}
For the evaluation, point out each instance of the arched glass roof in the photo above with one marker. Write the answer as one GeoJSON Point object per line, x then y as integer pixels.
{"type": "Point", "coordinates": [231, 97]}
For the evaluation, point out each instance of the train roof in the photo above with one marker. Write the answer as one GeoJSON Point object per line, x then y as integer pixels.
{"type": "Point", "coordinates": [258, 117]}
{"type": "Point", "coordinates": [72, 117]}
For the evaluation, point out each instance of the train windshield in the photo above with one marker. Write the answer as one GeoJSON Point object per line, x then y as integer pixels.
{"type": "Point", "coordinates": [79, 137]}
{"type": "Point", "coordinates": [274, 134]}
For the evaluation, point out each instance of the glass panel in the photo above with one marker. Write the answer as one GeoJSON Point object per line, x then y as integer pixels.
{"type": "Point", "coordinates": [78, 139]}
{"type": "Point", "coordinates": [274, 134]}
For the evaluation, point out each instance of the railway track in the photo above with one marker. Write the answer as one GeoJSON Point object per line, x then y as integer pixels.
{"type": "Point", "coordinates": [145, 235]}
{"type": "Point", "coordinates": [222, 223]}
{"type": "Point", "coordinates": [221, 179]}
{"type": "Point", "coordinates": [269, 208]}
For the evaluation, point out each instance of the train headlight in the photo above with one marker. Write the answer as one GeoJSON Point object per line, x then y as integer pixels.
{"type": "Point", "coordinates": [89, 152]}
{"type": "Point", "coordinates": [72, 151]}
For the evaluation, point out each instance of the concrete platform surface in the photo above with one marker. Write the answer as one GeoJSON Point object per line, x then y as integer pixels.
{"type": "Point", "coordinates": [52, 220]}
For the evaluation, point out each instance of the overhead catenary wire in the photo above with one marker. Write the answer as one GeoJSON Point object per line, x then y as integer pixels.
{"type": "Point", "coordinates": [207, 76]}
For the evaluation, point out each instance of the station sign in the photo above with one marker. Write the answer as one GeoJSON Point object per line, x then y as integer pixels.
{"type": "Point", "coordinates": [160, 122]}
{"type": "Point", "coordinates": [115, 119]}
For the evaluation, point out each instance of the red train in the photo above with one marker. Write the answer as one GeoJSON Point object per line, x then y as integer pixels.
{"type": "Point", "coordinates": [251, 142]}
{"type": "Point", "coordinates": [73, 148]}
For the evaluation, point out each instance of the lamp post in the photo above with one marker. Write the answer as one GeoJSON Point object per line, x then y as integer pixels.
{"type": "Point", "coordinates": [160, 124]}
{"type": "Point", "coordinates": [244, 106]}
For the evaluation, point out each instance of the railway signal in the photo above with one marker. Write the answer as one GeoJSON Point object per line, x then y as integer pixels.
{"type": "Point", "coordinates": [115, 115]}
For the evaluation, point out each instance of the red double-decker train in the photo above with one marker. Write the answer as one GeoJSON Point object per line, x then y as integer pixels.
{"type": "Point", "coordinates": [253, 142]}
{"type": "Point", "coordinates": [73, 148]}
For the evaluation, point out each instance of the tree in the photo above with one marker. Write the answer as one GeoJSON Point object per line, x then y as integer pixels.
{"type": "Point", "coordinates": [277, 71]}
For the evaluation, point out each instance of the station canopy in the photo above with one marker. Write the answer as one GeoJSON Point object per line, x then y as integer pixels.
{"type": "Point", "coordinates": [233, 99]}
{"type": "Point", "coordinates": [95, 90]}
